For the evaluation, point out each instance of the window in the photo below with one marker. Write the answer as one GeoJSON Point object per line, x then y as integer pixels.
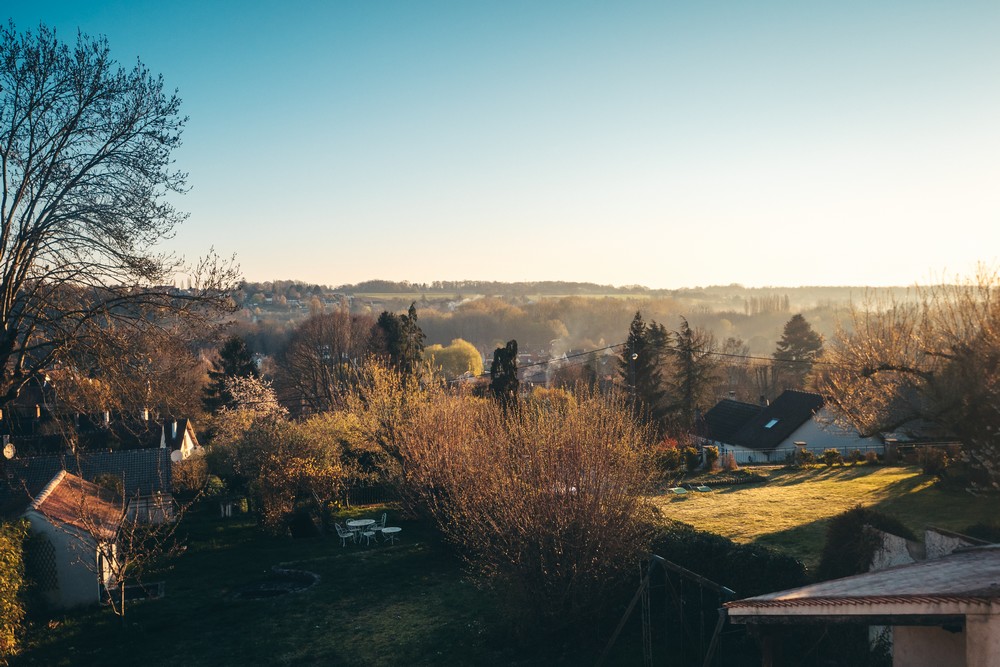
{"type": "Point", "coordinates": [771, 423]}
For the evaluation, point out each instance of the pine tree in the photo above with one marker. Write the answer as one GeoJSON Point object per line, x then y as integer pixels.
{"type": "Point", "coordinates": [798, 348]}
{"type": "Point", "coordinates": [693, 374]}
{"type": "Point", "coordinates": [235, 360]}
{"type": "Point", "coordinates": [640, 366]}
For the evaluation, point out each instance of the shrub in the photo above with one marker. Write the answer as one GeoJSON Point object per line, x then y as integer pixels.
{"type": "Point", "coordinates": [729, 463]}
{"type": "Point", "coordinates": [855, 457]}
{"type": "Point", "coordinates": [12, 536]}
{"type": "Point", "coordinates": [832, 456]}
{"type": "Point", "coordinates": [748, 569]}
{"type": "Point", "coordinates": [546, 501]}
{"type": "Point", "coordinates": [806, 457]}
{"type": "Point", "coordinates": [871, 458]}
{"type": "Point", "coordinates": [667, 457]}
{"type": "Point", "coordinates": [932, 460]}
{"type": "Point", "coordinates": [849, 548]}
{"type": "Point", "coordinates": [711, 456]}
{"type": "Point", "coordinates": [692, 458]}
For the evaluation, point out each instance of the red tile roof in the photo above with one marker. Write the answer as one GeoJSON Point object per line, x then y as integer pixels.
{"type": "Point", "coordinates": [73, 501]}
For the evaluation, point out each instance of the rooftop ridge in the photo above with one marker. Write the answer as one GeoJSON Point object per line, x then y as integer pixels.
{"type": "Point", "coordinates": [47, 491]}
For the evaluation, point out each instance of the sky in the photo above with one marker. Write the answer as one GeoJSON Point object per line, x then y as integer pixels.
{"type": "Point", "coordinates": [667, 144]}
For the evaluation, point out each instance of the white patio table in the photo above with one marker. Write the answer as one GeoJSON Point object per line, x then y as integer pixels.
{"type": "Point", "coordinates": [359, 525]}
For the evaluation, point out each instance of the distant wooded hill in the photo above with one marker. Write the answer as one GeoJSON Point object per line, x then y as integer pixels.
{"type": "Point", "coordinates": [550, 316]}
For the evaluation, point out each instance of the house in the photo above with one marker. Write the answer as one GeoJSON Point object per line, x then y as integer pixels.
{"type": "Point", "coordinates": [943, 612]}
{"type": "Point", "coordinates": [76, 523]}
{"type": "Point", "coordinates": [770, 433]}
{"type": "Point", "coordinates": [179, 438]}
{"type": "Point", "coordinates": [143, 477]}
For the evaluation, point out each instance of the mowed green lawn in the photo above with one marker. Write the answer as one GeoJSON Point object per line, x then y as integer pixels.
{"type": "Point", "coordinates": [411, 603]}
{"type": "Point", "coordinates": [791, 510]}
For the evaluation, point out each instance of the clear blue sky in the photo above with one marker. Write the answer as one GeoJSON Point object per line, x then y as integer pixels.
{"type": "Point", "coordinates": [659, 143]}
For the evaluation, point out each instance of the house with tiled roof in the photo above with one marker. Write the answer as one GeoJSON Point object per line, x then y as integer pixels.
{"type": "Point", "coordinates": [142, 475]}
{"type": "Point", "coordinates": [770, 433]}
{"type": "Point", "coordinates": [75, 523]}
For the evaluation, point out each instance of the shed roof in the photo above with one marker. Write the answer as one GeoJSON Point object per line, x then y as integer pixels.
{"type": "Point", "coordinates": [949, 585]}
{"type": "Point", "coordinates": [74, 501]}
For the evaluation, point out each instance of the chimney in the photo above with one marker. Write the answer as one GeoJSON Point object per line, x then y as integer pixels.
{"type": "Point", "coordinates": [107, 417]}
{"type": "Point", "coordinates": [763, 401]}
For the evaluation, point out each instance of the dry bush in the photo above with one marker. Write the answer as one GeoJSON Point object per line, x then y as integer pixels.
{"type": "Point", "coordinates": [547, 500]}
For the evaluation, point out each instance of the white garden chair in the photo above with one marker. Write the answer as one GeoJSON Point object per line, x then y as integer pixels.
{"type": "Point", "coordinates": [345, 535]}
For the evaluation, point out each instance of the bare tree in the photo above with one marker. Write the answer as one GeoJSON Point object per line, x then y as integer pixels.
{"type": "Point", "coordinates": [936, 360]}
{"type": "Point", "coordinates": [320, 363]}
{"type": "Point", "coordinates": [85, 160]}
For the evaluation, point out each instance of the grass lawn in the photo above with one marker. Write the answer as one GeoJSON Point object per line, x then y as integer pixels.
{"type": "Point", "coordinates": [791, 510]}
{"type": "Point", "coordinates": [405, 604]}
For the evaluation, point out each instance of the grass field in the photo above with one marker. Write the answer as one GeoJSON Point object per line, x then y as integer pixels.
{"type": "Point", "coordinates": [405, 604]}
{"type": "Point", "coordinates": [413, 603]}
{"type": "Point", "coordinates": [790, 511]}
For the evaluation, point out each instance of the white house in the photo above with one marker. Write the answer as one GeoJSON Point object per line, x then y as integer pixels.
{"type": "Point", "coordinates": [770, 433]}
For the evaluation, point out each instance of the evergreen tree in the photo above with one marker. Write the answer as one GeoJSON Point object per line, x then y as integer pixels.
{"type": "Point", "coordinates": [694, 373]}
{"type": "Point", "coordinates": [640, 366]}
{"type": "Point", "coordinates": [503, 374]}
{"type": "Point", "coordinates": [404, 340]}
{"type": "Point", "coordinates": [795, 353]}
{"type": "Point", "coordinates": [234, 360]}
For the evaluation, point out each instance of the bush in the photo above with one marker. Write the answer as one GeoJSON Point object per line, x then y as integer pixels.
{"type": "Point", "coordinates": [871, 458]}
{"type": "Point", "coordinates": [692, 458]}
{"type": "Point", "coordinates": [832, 456]}
{"type": "Point", "coordinates": [711, 456]}
{"type": "Point", "coordinates": [546, 502]}
{"type": "Point", "coordinates": [12, 537]}
{"type": "Point", "coordinates": [729, 463]}
{"type": "Point", "coordinates": [805, 457]}
{"type": "Point", "coordinates": [933, 461]}
{"type": "Point", "coordinates": [667, 457]}
{"type": "Point", "coordinates": [855, 457]}
{"type": "Point", "coordinates": [849, 548]}
{"type": "Point", "coordinates": [748, 569]}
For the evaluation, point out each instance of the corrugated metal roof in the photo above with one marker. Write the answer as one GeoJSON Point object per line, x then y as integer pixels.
{"type": "Point", "coordinates": [967, 576]}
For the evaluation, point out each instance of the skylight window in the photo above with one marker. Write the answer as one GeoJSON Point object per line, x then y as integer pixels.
{"type": "Point", "coordinates": [771, 423]}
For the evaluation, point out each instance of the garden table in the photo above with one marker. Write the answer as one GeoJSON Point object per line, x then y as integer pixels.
{"type": "Point", "coordinates": [389, 533]}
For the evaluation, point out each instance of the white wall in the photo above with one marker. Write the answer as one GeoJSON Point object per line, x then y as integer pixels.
{"type": "Point", "coordinates": [919, 646]}
{"type": "Point", "coordinates": [76, 563]}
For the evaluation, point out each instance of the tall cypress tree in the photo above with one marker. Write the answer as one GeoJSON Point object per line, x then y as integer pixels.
{"type": "Point", "coordinates": [503, 374]}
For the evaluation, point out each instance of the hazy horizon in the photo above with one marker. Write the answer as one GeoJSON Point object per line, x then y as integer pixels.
{"type": "Point", "coordinates": [646, 143]}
